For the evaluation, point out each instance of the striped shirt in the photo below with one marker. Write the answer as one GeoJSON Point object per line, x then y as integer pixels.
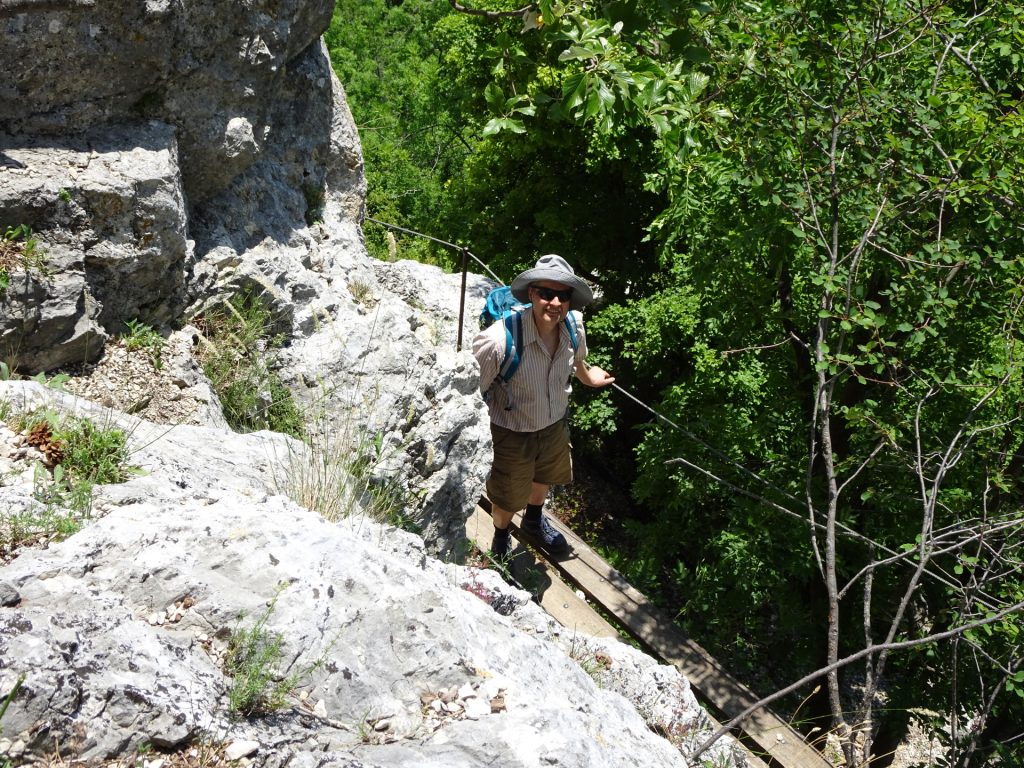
{"type": "Point", "coordinates": [538, 394]}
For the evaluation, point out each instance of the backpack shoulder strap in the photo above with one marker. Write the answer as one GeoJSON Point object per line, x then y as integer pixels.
{"type": "Point", "coordinates": [573, 329]}
{"type": "Point", "coordinates": [513, 322]}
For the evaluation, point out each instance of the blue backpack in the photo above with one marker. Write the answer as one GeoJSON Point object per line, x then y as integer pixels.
{"type": "Point", "coordinates": [502, 306]}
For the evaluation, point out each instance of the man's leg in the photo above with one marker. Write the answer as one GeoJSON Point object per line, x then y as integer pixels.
{"type": "Point", "coordinates": [501, 517]}
{"type": "Point", "coordinates": [538, 493]}
{"type": "Point", "coordinates": [534, 522]}
{"type": "Point", "coordinates": [554, 464]}
{"type": "Point", "coordinates": [508, 484]}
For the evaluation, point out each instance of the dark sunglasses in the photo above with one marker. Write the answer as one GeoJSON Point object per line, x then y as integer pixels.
{"type": "Point", "coordinates": [549, 293]}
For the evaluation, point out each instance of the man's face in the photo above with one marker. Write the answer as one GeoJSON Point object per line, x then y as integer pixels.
{"type": "Point", "coordinates": [551, 302]}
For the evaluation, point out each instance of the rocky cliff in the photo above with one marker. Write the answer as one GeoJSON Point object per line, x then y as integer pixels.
{"type": "Point", "coordinates": [166, 155]}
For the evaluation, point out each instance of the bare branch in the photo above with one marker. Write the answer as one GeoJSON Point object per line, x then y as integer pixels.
{"type": "Point", "coordinates": [839, 664]}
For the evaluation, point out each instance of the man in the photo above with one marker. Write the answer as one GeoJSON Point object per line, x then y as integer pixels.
{"type": "Point", "coordinates": [528, 413]}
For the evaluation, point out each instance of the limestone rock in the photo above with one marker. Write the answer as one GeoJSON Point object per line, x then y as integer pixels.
{"type": "Point", "coordinates": [108, 211]}
{"type": "Point", "coordinates": [121, 630]}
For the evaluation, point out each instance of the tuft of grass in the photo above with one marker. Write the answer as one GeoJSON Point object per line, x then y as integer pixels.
{"type": "Point", "coordinates": [332, 474]}
{"type": "Point", "coordinates": [78, 456]}
{"type": "Point", "coordinates": [143, 337]}
{"type": "Point", "coordinates": [19, 251]}
{"type": "Point", "coordinates": [254, 663]}
{"type": "Point", "coordinates": [92, 455]}
{"type": "Point", "coordinates": [238, 359]}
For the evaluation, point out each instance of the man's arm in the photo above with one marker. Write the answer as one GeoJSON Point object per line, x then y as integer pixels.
{"type": "Point", "coordinates": [488, 355]}
{"type": "Point", "coordinates": [593, 376]}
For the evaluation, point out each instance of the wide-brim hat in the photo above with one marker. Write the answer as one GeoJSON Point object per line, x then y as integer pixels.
{"type": "Point", "coordinates": [552, 267]}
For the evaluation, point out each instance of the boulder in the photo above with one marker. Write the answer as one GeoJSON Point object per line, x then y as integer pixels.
{"type": "Point", "coordinates": [119, 634]}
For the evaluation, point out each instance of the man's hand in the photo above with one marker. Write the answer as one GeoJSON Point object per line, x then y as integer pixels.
{"type": "Point", "coordinates": [594, 376]}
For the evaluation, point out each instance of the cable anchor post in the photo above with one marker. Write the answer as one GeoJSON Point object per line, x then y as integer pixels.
{"type": "Point", "coordinates": [462, 297]}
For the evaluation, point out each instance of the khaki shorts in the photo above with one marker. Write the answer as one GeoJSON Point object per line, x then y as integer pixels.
{"type": "Point", "coordinates": [522, 458]}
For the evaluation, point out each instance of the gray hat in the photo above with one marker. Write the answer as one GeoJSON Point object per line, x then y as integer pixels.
{"type": "Point", "coordinates": [552, 267]}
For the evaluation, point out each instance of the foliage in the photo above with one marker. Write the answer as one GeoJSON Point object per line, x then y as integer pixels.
{"type": "Point", "coordinates": [238, 358]}
{"type": "Point", "coordinates": [145, 337]}
{"type": "Point", "coordinates": [387, 56]}
{"type": "Point", "coordinates": [80, 455]}
{"type": "Point", "coordinates": [253, 661]}
{"type": "Point", "coordinates": [841, 183]}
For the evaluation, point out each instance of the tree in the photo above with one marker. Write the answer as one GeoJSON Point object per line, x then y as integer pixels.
{"type": "Point", "coordinates": [388, 56]}
{"type": "Point", "coordinates": [840, 237]}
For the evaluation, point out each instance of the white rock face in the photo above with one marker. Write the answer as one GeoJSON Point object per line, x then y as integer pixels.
{"type": "Point", "coordinates": [120, 631]}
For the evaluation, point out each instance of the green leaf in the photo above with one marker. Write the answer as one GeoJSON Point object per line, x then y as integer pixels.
{"type": "Point", "coordinates": [574, 89]}
{"type": "Point", "coordinates": [498, 124]}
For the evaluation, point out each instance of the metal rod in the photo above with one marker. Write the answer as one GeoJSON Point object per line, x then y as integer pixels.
{"type": "Point", "coordinates": [462, 298]}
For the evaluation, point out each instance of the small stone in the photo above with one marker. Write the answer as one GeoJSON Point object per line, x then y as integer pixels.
{"type": "Point", "coordinates": [477, 708]}
{"type": "Point", "coordinates": [320, 708]}
{"type": "Point", "coordinates": [9, 596]}
{"type": "Point", "coordinates": [448, 694]}
{"type": "Point", "coordinates": [466, 691]}
{"type": "Point", "coordinates": [236, 750]}
{"type": "Point", "coordinates": [382, 725]}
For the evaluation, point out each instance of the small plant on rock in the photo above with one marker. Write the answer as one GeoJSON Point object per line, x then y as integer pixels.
{"type": "Point", "coordinates": [143, 337]}
{"type": "Point", "coordinates": [253, 662]}
{"type": "Point", "coordinates": [77, 455]}
{"type": "Point", "coordinates": [238, 358]}
{"type": "Point", "coordinates": [19, 250]}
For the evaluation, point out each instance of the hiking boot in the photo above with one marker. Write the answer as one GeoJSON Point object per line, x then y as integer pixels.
{"type": "Point", "coordinates": [545, 535]}
{"type": "Point", "coordinates": [501, 545]}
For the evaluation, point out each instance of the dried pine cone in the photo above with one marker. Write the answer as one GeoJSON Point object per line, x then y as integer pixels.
{"type": "Point", "coordinates": [40, 436]}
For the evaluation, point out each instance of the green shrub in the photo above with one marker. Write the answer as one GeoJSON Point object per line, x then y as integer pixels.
{"type": "Point", "coordinates": [238, 359]}
{"type": "Point", "coordinates": [19, 250]}
{"type": "Point", "coordinates": [81, 455]}
{"type": "Point", "coordinates": [253, 662]}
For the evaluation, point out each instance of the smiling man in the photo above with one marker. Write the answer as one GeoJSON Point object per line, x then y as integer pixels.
{"type": "Point", "coordinates": [529, 425]}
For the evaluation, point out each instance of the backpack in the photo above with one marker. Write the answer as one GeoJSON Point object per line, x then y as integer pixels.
{"type": "Point", "coordinates": [502, 306]}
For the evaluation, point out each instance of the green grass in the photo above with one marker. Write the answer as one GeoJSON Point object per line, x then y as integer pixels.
{"type": "Point", "coordinates": [19, 251]}
{"type": "Point", "coordinates": [143, 337]}
{"type": "Point", "coordinates": [238, 359]}
{"type": "Point", "coordinates": [79, 455]}
{"type": "Point", "coordinates": [254, 664]}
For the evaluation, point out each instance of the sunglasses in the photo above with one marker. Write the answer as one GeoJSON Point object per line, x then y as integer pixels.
{"type": "Point", "coordinates": [549, 293]}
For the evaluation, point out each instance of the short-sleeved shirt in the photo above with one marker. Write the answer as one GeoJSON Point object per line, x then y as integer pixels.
{"type": "Point", "coordinates": [538, 394]}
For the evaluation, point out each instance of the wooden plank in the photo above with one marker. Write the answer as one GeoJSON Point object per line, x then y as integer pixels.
{"type": "Point", "coordinates": [555, 596]}
{"type": "Point", "coordinates": [562, 602]}
{"type": "Point", "coordinates": [710, 679]}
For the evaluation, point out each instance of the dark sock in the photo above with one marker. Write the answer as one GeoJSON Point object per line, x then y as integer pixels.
{"type": "Point", "coordinates": [501, 533]}
{"type": "Point", "coordinates": [533, 513]}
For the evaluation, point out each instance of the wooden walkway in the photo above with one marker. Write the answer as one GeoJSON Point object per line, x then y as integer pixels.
{"type": "Point", "coordinates": [773, 739]}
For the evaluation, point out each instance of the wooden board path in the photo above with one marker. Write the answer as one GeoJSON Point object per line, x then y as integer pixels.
{"type": "Point", "coordinates": [560, 600]}
{"type": "Point", "coordinates": [604, 585]}
{"type": "Point", "coordinates": [554, 595]}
